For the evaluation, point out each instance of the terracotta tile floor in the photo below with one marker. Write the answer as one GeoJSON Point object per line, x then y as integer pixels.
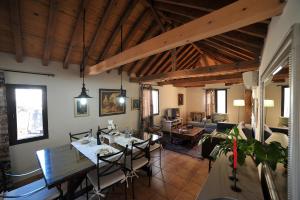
{"type": "Point", "coordinates": [180, 178]}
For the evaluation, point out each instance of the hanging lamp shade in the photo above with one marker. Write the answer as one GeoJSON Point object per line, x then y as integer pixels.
{"type": "Point", "coordinates": [83, 93]}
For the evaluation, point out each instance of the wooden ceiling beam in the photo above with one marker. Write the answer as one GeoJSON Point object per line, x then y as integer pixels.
{"type": "Point", "coordinates": [76, 29]}
{"type": "Point", "coordinates": [234, 16]}
{"type": "Point", "coordinates": [16, 28]}
{"type": "Point", "coordinates": [53, 7]}
{"type": "Point", "coordinates": [107, 11]}
{"type": "Point", "coordinates": [201, 83]}
{"type": "Point", "coordinates": [201, 72]}
{"type": "Point", "coordinates": [131, 5]}
{"type": "Point", "coordinates": [243, 39]}
{"type": "Point", "coordinates": [199, 79]}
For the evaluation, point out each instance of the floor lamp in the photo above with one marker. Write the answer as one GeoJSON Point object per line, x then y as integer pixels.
{"type": "Point", "coordinates": [268, 103]}
{"type": "Point", "coordinates": [239, 103]}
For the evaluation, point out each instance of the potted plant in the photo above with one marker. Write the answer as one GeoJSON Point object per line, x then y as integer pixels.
{"type": "Point", "coordinates": [271, 154]}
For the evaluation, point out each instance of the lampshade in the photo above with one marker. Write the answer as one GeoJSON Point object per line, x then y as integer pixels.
{"type": "Point", "coordinates": [239, 102]}
{"type": "Point", "coordinates": [268, 103]}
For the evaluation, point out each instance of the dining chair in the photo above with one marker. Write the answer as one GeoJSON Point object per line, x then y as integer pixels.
{"type": "Point", "coordinates": [77, 136]}
{"type": "Point", "coordinates": [157, 145]}
{"type": "Point", "coordinates": [110, 171]}
{"type": "Point", "coordinates": [139, 158]}
{"type": "Point", "coordinates": [34, 190]}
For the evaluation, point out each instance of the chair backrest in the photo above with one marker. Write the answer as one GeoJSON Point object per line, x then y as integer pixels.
{"type": "Point", "coordinates": [140, 150]}
{"type": "Point", "coordinates": [77, 136]}
{"type": "Point", "coordinates": [112, 163]}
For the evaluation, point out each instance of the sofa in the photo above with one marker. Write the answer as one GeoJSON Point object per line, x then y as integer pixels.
{"type": "Point", "coordinates": [209, 144]}
{"type": "Point", "coordinates": [198, 119]}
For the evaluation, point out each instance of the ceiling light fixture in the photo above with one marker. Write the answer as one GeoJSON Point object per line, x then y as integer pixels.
{"type": "Point", "coordinates": [83, 95]}
{"type": "Point", "coordinates": [122, 96]}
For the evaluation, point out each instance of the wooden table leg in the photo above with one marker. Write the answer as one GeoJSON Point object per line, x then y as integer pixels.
{"type": "Point", "coordinates": [73, 184]}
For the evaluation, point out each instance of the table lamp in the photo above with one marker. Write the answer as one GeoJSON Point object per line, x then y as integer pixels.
{"type": "Point", "coordinates": [268, 103]}
{"type": "Point", "coordinates": [239, 103]}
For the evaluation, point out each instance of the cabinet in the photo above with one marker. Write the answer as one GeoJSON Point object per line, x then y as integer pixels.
{"type": "Point", "coordinates": [167, 125]}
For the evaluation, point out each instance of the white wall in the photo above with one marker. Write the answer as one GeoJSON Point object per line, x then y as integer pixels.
{"type": "Point", "coordinates": [196, 101]}
{"type": "Point", "coordinates": [168, 98]}
{"type": "Point", "coordinates": [61, 91]}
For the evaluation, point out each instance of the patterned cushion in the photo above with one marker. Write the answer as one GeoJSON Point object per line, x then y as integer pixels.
{"type": "Point", "coordinates": [219, 117]}
{"type": "Point", "coordinates": [197, 116]}
{"type": "Point", "coordinates": [283, 121]}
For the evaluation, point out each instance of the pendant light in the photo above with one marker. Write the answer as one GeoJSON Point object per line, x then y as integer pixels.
{"type": "Point", "coordinates": [83, 95]}
{"type": "Point", "coordinates": [122, 96]}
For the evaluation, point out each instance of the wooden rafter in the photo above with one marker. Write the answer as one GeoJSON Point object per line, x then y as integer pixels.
{"type": "Point", "coordinates": [199, 79]}
{"type": "Point", "coordinates": [190, 59]}
{"type": "Point", "coordinates": [242, 47]}
{"type": "Point", "coordinates": [159, 63]}
{"type": "Point", "coordinates": [201, 83]}
{"type": "Point", "coordinates": [131, 5]}
{"type": "Point", "coordinates": [134, 29]}
{"type": "Point", "coordinates": [100, 27]}
{"type": "Point", "coordinates": [203, 5]}
{"type": "Point", "coordinates": [230, 55]}
{"type": "Point", "coordinates": [242, 13]}
{"type": "Point", "coordinates": [229, 49]}
{"type": "Point", "coordinates": [256, 30]}
{"type": "Point", "coordinates": [148, 68]}
{"type": "Point", "coordinates": [77, 27]}
{"type": "Point", "coordinates": [151, 31]}
{"type": "Point", "coordinates": [16, 28]}
{"type": "Point", "coordinates": [202, 71]}
{"type": "Point", "coordinates": [53, 6]}
{"type": "Point", "coordinates": [186, 57]}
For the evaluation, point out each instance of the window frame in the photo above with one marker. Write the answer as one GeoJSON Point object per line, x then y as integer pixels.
{"type": "Point", "coordinates": [216, 100]}
{"type": "Point", "coordinates": [11, 113]}
{"type": "Point", "coordinates": [157, 101]}
{"type": "Point", "coordinates": [282, 99]}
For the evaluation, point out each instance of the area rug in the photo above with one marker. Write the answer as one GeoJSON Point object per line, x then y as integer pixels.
{"type": "Point", "coordinates": [182, 146]}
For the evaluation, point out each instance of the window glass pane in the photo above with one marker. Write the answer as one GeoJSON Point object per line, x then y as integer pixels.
{"type": "Point", "coordinates": [286, 100]}
{"type": "Point", "coordinates": [221, 101]}
{"type": "Point", "coordinates": [155, 101]}
{"type": "Point", "coordinates": [29, 113]}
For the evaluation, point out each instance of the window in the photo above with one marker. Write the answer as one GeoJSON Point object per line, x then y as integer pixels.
{"type": "Point", "coordinates": [155, 102]}
{"type": "Point", "coordinates": [221, 100]}
{"type": "Point", "coordinates": [285, 101]}
{"type": "Point", "coordinates": [27, 113]}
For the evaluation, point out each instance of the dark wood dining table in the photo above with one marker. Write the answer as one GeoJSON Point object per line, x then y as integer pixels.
{"type": "Point", "coordinates": [66, 164]}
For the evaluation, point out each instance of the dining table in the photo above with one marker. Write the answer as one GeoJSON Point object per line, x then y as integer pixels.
{"type": "Point", "coordinates": [68, 164]}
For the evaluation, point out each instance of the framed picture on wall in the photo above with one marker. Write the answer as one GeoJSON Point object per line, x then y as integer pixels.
{"type": "Point", "coordinates": [81, 110]}
{"type": "Point", "coordinates": [180, 99]}
{"type": "Point", "coordinates": [109, 104]}
{"type": "Point", "coordinates": [135, 104]}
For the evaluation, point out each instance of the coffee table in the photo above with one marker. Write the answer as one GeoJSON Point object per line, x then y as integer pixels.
{"type": "Point", "coordinates": [191, 134]}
